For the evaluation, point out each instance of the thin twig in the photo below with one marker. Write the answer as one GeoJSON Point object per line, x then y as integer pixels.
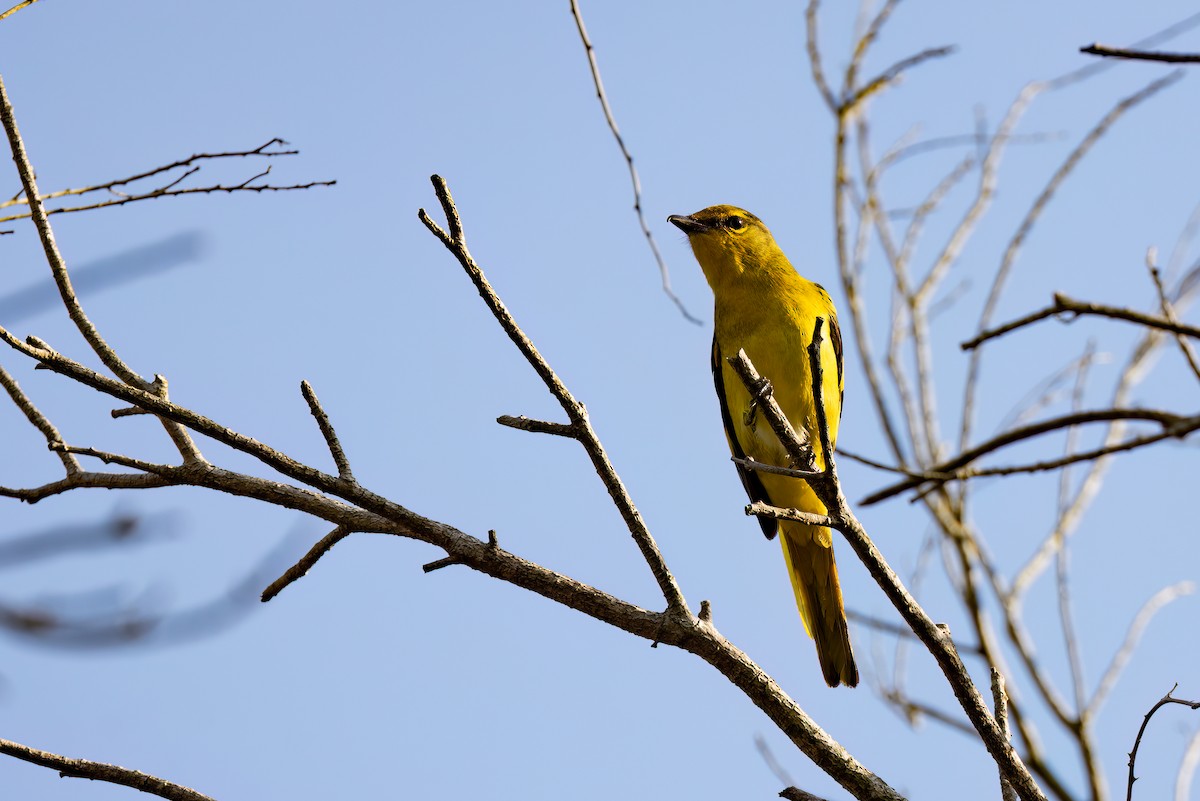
{"type": "Point", "coordinates": [1140, 55]}
{"type": "Point", "coordinates": [778, 513]}
{"type": "Point", "coordinates": [894, 72]}
{"type": "Point", "coordinates": [633, 173]}
{"type": "Point", "coordinates": [1166, 699]}
{"type": "Point", "coordinates": [199, 190]}
{"type": "Point", "coordinates": [1063, 305]}
{"type": "Point", "coordinates": [331, 437]}
{"type": "Point", "coordinates": [1173, 426]}
{"type": "Point", "coordinates": [301, 568]}
{"type": "Point", "coordinates": [37, 420]}
{"type": "Point", "coordinates": [100, 771]}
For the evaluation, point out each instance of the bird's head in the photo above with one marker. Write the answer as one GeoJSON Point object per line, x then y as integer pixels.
{"type": "Point", "coordinates": [730, 243]}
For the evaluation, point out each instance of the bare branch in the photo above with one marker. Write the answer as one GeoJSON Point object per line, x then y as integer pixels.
{"type": "Point", "coordinates": [189, 166]}
{"type": "Point", "coordinates": [1027, 224]}
{"type": "Point", "coordinates": [1132, 637]}
{"type": "Point", "coordinates": [1000, 699]}
{"type": "Point", "coordinates": [633, 173]}
{"type": "Point", "coordinates": [766, 510]}
{"type": "Point", "coordinates": [814, 55]}
{"type": "Point", "coordinates": [301, 568]}
{"type": "Point", "coordinates": [796, 794]}
{"type": "Point", "coordinates": [85, 479]}
{"type": "Point", "coordinates": [1166, 699]}
{"type": "Point", "coordinates": [17, 8]}
{"type": "Point", "coordinates": [576, 413]}
{"type": "Point", "coordinates": [1063, 305]}
{"type": "Point", "coordinates": [1187, 768]}
{"type": "Point", "coordinates": [1173, 426]}
{"type": "Point", "coordinates": [1140, 55]}
{"type": "Point", "coordinates": [331, 437]}
{"type": "Point", "coordinates": [524, 423]}
{"type": "Point", "coordinates": [99, 771]}
{"type": "Point", "coordinates": [58, 268]}
{"type": "Point", "coordinates": [37, 419]}
{"type": "Point", "coordinates": [894, 73]}
{"type": "Point", "coordinates": [1168, 311]}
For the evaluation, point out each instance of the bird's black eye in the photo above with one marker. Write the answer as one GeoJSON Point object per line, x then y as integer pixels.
{"type": "Point", "coordinates": [735, 223]}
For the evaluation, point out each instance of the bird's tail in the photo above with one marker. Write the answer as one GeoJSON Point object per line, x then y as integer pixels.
{"type": "Point", "coordinates": [808, 551]}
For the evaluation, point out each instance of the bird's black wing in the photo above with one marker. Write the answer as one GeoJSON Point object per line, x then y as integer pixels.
{"type": "Point", "coordinates": [750, 480]}
{"type": "Point", "coordinates": [835, 338]}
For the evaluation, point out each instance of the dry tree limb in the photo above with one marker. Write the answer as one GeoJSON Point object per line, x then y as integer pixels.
{"type": "Point", "coordinates": [100, 771]}
{"type": "Point", "coordinates": [633, 173]}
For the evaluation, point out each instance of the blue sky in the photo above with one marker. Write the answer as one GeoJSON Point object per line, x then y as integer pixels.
{"type": "Point", "coordinates": [369, 678]}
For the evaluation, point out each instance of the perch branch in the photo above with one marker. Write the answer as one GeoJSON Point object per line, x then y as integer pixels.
{"type": "Point", "coordinates": [934, 638]}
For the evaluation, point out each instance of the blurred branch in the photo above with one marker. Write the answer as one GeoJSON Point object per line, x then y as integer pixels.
{"type": "Point", "coordinates": [170, 186]}
{"type": "Point", "coordinates": [1168, 312]}
{"type": "Point", "coordinates": [1187, 768]}
{"type": "Point", "coordinates": [1140, 55]}
{"type": "Point", "coordinates": [1000, 701]}
{"type": "Point", "coordinates": [633, 173]}
{"type": "Point", "coordinates": [1133, 636]}
{"type": "Point", "coordinates": [120, 528]}
{"type": "Point", "coordinates": [110, 617]}
{"type": "Point", "coordinates": [17, 8]}
{"type": "Point", "coordinates": [1011, 251]}
{"type": "Point", "coordinates": [98, 771]}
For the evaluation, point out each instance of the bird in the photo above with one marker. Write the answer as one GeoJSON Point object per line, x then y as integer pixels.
{"type": "Point", "coordinates": [763, 306]}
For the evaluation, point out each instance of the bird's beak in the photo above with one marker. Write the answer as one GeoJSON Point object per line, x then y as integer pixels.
{"type": "Point", "coordinates": [688, 225]}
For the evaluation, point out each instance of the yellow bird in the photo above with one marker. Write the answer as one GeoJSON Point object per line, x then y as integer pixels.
{"type": "Point", "coordinates": [766, 308]}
